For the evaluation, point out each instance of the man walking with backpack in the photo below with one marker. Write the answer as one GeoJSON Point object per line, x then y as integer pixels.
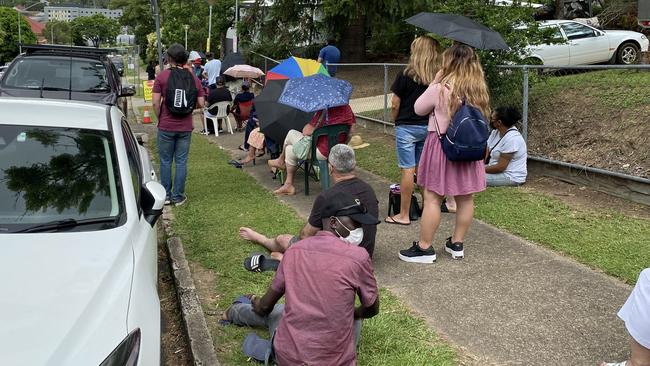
{"type": "Point", "coordinates": [176, 93]}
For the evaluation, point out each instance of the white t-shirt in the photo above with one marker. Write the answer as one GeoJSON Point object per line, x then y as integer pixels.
{"type": "Point", "coordinates": [213, 69]}
{"type": "Point", "coordinates": [512, 142]}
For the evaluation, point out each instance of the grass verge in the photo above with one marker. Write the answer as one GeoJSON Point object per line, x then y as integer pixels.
{"type": "Point", "coordinates": [221, 199]}
{"type": "Point", "coordinates": [613, 243]}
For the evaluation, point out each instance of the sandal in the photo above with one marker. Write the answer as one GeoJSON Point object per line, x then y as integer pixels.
{"type": "Point", "coordinates": [261, 263]}
{"type": "Point", "coordinates": [236, 164]}
{"type": "Point", "coordinates": [391, 220]}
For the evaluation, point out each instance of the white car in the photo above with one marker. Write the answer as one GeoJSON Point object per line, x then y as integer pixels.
{"type": "Point", "coordinates": [78, 243]}
{"type": "Point", "coordinates": [585, 45]}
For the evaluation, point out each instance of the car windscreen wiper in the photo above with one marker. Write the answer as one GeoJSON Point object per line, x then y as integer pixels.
{"type": "Point", "coordinates": [65, 224]}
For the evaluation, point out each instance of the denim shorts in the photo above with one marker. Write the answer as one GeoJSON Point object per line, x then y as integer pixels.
{"type": "Point", "coordinates": [409, 140]}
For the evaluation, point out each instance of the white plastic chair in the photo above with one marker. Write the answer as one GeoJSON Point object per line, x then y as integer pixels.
{"type": "Point", "coordinates": [222, 114]}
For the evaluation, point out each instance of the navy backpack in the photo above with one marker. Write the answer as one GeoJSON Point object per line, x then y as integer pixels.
{"type": "Point", "coordinates": [467, 135]}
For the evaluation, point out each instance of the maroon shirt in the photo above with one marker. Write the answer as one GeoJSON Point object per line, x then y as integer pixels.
{"type": "Point", "coordinates": [166, 120]}
{"type": "Point", "coordinates": [320, 277]}
{"type": "Point", "coordinates": [342, 115]}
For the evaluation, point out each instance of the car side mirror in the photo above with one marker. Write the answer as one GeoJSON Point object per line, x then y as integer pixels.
{"type": "Point", "coordinates": [152, 201]}
{"type": "Point", "coordinates": [127, 91]}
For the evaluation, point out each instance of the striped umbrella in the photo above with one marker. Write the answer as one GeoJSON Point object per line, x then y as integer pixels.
{"type": "Point", "coordinates": [296, 67]}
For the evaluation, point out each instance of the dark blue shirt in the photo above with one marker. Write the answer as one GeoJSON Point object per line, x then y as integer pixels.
{"type": "Point", "coordinates": [244, 97]}
{"type": "Point", "coordinates": [330, 54]}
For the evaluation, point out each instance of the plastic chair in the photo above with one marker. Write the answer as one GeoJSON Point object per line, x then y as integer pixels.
{"type": "Point", "coordinates": [222, 113]}
{"type": "Point", "coordinates": [333, 134]}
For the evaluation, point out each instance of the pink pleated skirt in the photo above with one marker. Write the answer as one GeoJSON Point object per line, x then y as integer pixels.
{"type": "Point", "coordinates": [448, 178]}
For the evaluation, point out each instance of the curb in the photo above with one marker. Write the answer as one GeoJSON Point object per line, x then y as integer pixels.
{"type": "Point", "coordinates": [196, 328]}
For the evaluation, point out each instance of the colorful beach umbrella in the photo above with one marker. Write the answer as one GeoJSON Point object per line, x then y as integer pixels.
{"type": "Point", "coordinates": [296, 67]}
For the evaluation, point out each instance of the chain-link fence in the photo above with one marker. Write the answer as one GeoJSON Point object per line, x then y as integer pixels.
{"type": "Point", "coordinates": [596, 115]}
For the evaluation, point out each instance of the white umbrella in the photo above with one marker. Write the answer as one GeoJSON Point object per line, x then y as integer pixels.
{"type": "Point", "coordinates": [244, 71]}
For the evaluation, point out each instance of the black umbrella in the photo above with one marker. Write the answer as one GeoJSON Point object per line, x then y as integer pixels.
{"type": "Point", "coordinates": [461, 29]}
{"type": "Point", "coordinates": [277, 119]}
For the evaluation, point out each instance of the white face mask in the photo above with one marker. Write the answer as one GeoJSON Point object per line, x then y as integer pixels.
{"type": "Point", "coordinates": [355, 237]}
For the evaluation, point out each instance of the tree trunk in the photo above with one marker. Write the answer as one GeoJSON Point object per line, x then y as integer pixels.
{"type": "Point", "coordinates": [559, 9]}
{"type": "Point", "coordinates": [353, 41]}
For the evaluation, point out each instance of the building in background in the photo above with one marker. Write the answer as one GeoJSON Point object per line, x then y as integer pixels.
{"type": "Point", "coordinates": [69, 13]}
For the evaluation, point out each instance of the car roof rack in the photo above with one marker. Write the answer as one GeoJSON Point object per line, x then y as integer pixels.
{"type": "Point", "coordinates": [67, 50]}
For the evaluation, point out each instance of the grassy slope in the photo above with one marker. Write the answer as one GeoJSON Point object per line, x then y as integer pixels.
{"type": "Point", "coordinates": [221, 199]}
{"type": "Point", "coordinates": [616, 244]}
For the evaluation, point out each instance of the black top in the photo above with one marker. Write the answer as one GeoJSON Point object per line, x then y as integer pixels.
{"type": "Point", "coordinates": [357, 189]}
{"type": "Point", "coordinates": [217, 95]}
{"type": "Point", "coordinates": [408, 91]}
{"type": "Point", "coordinates": [151, 72]}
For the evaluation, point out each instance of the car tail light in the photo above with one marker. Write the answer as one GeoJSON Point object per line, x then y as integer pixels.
{"type": "Point", "coordinates": [126, 353]}
{"type": "Point", "coordinates": [644, 23]}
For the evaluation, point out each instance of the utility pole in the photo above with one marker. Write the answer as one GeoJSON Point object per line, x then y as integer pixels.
{"type": "Point", "coordinates": [236, 39]}
{"type": "Point", "coordinates": [186, 27]}
{"type": "Point", "coordinates": [209, 29]}
{"type": "Point", "coordinates": [156, 15]}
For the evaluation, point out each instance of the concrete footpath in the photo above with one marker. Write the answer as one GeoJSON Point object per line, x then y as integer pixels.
{"type": "Point", "coordinates": [509, 302]}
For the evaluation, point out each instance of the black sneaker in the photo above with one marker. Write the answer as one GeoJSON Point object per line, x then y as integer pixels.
{"type": "Point", "coordinates": [180, 202]}
{"type": "Point", "coordinates": [455, 249]}
{"type": "Point", "coordinates": [415, 254]}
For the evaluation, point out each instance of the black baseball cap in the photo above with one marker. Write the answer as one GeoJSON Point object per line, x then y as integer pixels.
{"type": "Point", "coordinates": [343, 204]}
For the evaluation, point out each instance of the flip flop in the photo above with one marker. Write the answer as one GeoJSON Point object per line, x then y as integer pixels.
{"type": "Point", "coordinates": [236, 164]}
{"type": "Point", "coordinates": [261, 263]}
{"type": "Point", "coordinates": [395, 222]}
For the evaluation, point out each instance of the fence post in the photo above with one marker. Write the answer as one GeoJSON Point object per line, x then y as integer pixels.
{"type": "Point", "coordinates": [385, 95]}
{"type": "Point", "coordinates": [524, 109]}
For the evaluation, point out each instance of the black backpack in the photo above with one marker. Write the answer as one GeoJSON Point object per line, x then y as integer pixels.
{"type": "Point", "coordinates": [181, 95]}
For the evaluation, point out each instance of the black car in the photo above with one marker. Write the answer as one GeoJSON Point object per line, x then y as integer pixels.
{"type": "Point", "coordinates": [65, 72]}
{"type": "Point", "coordinates": [118, 61]}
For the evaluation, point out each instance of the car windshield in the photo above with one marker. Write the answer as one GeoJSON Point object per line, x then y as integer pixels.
{"type": "Point", "coordinates": [57, 73]}
{"type": "Point", "coordinates": [50, 174]}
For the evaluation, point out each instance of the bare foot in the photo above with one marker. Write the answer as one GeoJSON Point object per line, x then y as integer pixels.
{"type": "Point", "coordinates": [285, 190]}
{"type": "Point", "coordinates": [247, 233]}
{"type": "Point", "coordinates": [277, 255]}
{"type": "Point", "coordinates": [276, 163]}
{"type": "Point", "coordinates": [246, 160]}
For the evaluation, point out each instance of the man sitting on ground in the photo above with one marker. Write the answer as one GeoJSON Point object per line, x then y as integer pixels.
{"type": "Point", "coordinates": [320, 278]}
{"type": "Point", "coordinates": [341, 165]}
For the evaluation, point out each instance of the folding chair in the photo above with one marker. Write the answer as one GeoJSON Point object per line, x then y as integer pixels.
{"type": "Point", "coordinates": [333, 134]}
{"type": "Point", "coordinates": [222, 114]}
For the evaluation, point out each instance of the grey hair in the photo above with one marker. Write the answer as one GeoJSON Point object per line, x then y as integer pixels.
{"type": "Point", "coordinates": [342, 158]}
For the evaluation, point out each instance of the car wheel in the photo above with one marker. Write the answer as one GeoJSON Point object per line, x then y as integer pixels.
{"type": "Point", "coordinates": [627, 54]}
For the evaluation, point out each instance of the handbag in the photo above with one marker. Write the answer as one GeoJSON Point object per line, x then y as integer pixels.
{"type": "Point", "coordinates": [395, 199]}
{"type": "Point", "coordinates": [302, 147]}
{"type": "Point", "coordinates": [256, 139]}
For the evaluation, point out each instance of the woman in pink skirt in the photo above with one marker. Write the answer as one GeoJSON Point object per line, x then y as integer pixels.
{"type": "Point", "coordinates": [461, 77]}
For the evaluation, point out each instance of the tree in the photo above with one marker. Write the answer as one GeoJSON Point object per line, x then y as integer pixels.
{"type": "Point", "coordinates": [9, 33]}
{"type": "Point", "coordinates": [96, 29]}
{"type": "Point", "coordinates": [60, 30]}
{"type": "Point", "coordinates": [137, 16]}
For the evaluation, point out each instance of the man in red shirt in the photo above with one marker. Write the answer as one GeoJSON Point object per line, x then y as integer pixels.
{"type": "Point", "coordinates": [174, 130]}
{"type": "Point", "coordinates": [319, 277]}
{"type": "Point", "coordinates": [288, 160]}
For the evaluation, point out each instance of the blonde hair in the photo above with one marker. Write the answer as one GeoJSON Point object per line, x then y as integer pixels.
{"type": "Point", "coordinates": [462, 71]}
{"type": "Point", "coordinates": [424, 60]}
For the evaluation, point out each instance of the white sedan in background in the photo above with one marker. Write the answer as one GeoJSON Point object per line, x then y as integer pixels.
{"type": "Point", "coordinates": [78, 243]}
{"type": "Point", "coordinates": [583, 45]}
